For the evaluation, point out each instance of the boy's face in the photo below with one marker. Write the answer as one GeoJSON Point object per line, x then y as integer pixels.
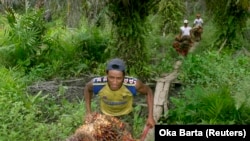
{"type": "Point", "coordinates": [115, 79]}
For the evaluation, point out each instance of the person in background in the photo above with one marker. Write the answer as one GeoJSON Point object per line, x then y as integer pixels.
{"type": "Point", "coordinates": [183, 41]}
{"type": "Point", "coordinates": [198, 21]}
{"type": "Point", "coordinates": [198, 27]}
{"type": "Point", "coordinates": [185, 30]}
{"type": "Point", "coordinates": [116, 92]}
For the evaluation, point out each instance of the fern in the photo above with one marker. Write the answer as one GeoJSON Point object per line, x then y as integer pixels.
{"type": "Point", "coordinates": [204, 106]}
{"type": "Point", "coordinates": [25, 35]}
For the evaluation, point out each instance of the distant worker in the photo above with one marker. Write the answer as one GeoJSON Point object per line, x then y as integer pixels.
{"type": "Point", "coordinates": [183, 41]}
{"type": "Point", "coordinates": [198, 27]}
{"type": "Point", "coordinates": [185, 31]}
{"type": "Point", "coordinates": [198, 21]}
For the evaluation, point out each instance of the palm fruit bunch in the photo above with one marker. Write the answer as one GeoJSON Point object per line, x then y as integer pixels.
{"type": "Point", "coordinates": [102, 128]}
{"type": "Point", "coordinates": [81, 136]}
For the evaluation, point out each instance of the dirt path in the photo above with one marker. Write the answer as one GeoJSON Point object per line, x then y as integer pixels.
{"type": "Point", "coordinates": [193, 47]}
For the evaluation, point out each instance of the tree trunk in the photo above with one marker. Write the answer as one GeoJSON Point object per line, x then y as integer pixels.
{"type": "Point", "coordinates": [74, 13]}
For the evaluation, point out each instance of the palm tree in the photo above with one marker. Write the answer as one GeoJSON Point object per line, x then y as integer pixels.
{"type": "Point", "coordinates": [129, 19]}
{"type": "Point", "coordinates": [230, 17]}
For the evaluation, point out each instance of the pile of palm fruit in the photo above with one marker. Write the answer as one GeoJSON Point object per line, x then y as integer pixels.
{"type": "Point", "coordinates": [102, 128]}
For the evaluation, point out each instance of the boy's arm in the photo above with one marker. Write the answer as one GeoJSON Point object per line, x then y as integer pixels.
{"type": "Point", "coordinates": [144, 89]}
{"type": "Point", "coordinates": [87, 93]}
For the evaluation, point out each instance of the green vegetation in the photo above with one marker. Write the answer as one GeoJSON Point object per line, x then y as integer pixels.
{"type": "Point", "coordinates": [215, 76]}
{"type": "Point", "coordinates": [230, 20]}
{"type": "Point", "coordinates": [216, 92]}
{"type": "Point", "coordinates": [26, 117]}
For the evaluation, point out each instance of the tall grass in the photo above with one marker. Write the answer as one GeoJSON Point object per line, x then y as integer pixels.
{"type": "Point", "coordinates": [26, 117]}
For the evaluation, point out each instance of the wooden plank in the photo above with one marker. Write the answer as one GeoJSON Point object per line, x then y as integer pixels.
{"type": "Point", "coordinates": [162, 95]}
{"type": "Point", "coordinates": [158, 111]}
{"type": "Point", "coordinates": [165, 106]}
{"type": "Point", "coordinates": [158, 90]}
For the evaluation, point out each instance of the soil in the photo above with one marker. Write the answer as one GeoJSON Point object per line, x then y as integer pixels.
{"type": "Point", "coordinates": [71, 89]}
